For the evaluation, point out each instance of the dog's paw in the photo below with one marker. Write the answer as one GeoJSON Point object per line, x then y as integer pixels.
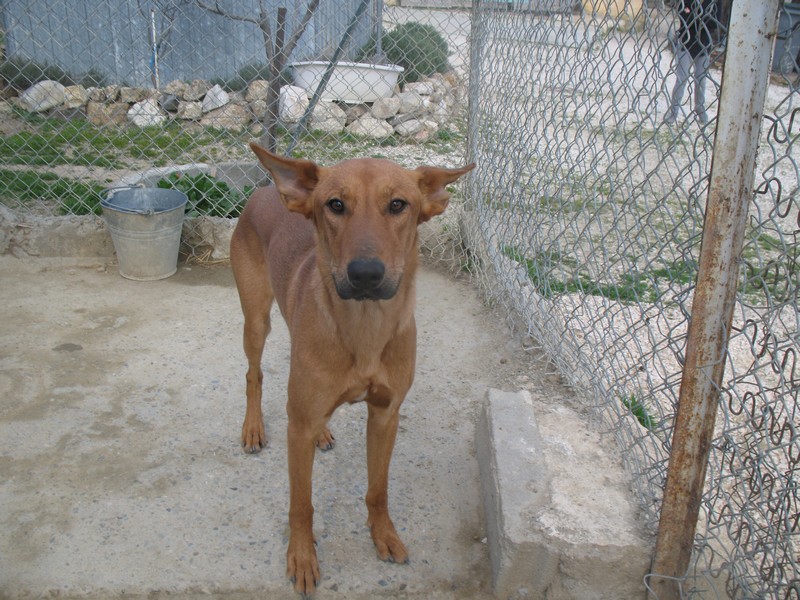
{"type": "Point", "coordinates": [388, 544]}
{"type": "Point", "coordinates": [302, 568]}
{"type": "Point", "coordinates": [254, 438]}
{"type": "Point", "coordinates": [326, 441]}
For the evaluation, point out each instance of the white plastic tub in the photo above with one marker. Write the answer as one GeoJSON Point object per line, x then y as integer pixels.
{"type": "Point", "coordinates": [350, 82]}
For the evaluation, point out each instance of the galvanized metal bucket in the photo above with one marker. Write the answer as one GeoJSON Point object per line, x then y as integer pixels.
{"type": "Point", "coordinates": [145, 225]}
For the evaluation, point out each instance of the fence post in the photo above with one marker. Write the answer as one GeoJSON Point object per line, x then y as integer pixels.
{"type": "Point", "coordinates": [753, 28]}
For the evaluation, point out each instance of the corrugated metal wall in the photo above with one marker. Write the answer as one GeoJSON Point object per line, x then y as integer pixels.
{"type": "Point", "coordinates": [112, 37]}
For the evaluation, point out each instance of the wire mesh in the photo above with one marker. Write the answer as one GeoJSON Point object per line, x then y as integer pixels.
{"type": "Point", "coordinates": [170, 93]}
{"type": "Point", "coordinates": [584, 216]}
{"type": "Point", "coordinates": [586, 219]}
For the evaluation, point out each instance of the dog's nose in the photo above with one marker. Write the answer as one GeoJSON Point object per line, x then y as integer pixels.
{"type": "Point", "coordinates": [365, 274]}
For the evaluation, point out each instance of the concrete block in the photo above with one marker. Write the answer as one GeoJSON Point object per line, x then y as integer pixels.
{"type": "Point", "coordinates": [515, 487]}
{"type": "Point", "coordinates": [562, 523]}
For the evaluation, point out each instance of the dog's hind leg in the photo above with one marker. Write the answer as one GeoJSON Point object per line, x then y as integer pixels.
{"type": "Point", "coordinates": [256, 296]}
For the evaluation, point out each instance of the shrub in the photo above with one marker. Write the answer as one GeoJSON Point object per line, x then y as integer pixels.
{"type": "Point", "coordinates": [417, 47]}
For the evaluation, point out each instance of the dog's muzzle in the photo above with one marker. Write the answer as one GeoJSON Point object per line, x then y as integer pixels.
{"type": "Point", "coordinates": [366, 280]}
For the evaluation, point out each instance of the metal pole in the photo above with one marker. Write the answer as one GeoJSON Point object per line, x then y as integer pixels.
{"type": "Point", "coordinates": [754, 25]}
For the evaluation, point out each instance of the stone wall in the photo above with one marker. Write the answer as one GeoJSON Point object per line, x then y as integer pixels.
{"type": "Point", "coordinates": [416, 111]}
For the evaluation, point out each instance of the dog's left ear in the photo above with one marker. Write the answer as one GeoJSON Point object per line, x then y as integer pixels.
{"type": "Point", "coordinates": [294, 178]}
{"type": "Point", "coordinates": [432, 183]}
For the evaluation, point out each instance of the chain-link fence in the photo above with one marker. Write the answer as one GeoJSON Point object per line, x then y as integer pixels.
{"type": "Point", "coordinates": [588, 212]}
{"type": "Point", "coordinates": [585, 214]}
{"type": "Point", "coordinates": [170, 93]}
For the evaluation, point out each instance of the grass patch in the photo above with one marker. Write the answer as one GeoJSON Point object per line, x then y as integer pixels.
{"type": "Point", "coordinates": [78, 142]}
{"type": "Point", "coordinates": [72, 197]}
{"type": "Point", "coordinates": [629, 288]}
{"type": "Point", "coordinates": [639, 411]}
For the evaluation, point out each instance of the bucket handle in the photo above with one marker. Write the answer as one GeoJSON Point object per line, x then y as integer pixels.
{"type": "Point", "coordinates": [113, 190]}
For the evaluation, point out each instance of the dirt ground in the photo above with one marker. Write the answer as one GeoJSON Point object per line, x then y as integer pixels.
{"type": "Point", "coordinates": [120, 410]}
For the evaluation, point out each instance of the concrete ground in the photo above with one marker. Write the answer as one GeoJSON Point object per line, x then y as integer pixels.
{"type": "Point", "coordinates": [120, 409]}
{"type": "Point", "coordinates": [121, 473]}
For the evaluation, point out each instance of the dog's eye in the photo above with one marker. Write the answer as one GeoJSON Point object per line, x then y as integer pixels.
{"type": "Point", "coordinates": [336, 206]}
{"type": "Point", "coordinates": [397, 206]}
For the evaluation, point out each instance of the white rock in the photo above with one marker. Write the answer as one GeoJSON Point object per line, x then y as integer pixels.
{"type": "Point", "coordinates": [75, 96]}
{"type": "Point", "coordinates": [327, 125]}
{"type": "Point", "coordinates": [410, 102]}
{"type": "Point", "coordinates": [385, 108]}
{"type": "Point", "coordinates": [410, 127]}
{"type": "Point", "coordinates": [190, 110]}
{"type": "Point", "coordinates": [257, 90]}
{"type": "Point", "coordinates": [369, 126]}
{"type": "Point", "coordinates": [146, 113]}
{"type": "Point", "coordinates": [42, 96]}
{"type": "Point", "coordinates": [215, 98]}
{"type": "Point", "coordinates": [328, 111]}
{"type": "Point", "coordinates": [292, 103]}
{"type": "Point", "coordinates": [423, 88]}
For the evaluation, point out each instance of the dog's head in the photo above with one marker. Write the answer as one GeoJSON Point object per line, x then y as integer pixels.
{"type": "Point", "coordinates": [365, 212]}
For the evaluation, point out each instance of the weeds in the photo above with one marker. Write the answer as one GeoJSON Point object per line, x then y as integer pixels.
{"type": "Point", "coordinates": [73, 197]}
{"type": "Point", "coordinates": [639, 410]}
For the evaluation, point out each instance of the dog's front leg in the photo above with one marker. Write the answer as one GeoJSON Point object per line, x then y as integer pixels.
{"type": "Point", "coordinates": [381, 433]}
{"type": "Point", "coordinates": [301, 558]}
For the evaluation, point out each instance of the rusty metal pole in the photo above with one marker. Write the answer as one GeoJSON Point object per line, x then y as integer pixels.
{"type": "Point", "coordinates": [753, 28]}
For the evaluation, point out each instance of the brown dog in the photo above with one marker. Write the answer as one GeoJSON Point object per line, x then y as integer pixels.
{"type": "Point", "coordinates": [337, 247]}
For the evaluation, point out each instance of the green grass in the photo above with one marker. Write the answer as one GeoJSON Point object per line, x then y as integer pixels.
{"type": "Point", "coordinates": [541, 270]}
{"type": "Point", "coordinates": [72, 197]}
{"type": "Point", "coordinates": [639, 410]}
{"type": "Point", "coordinates": [78, 142]}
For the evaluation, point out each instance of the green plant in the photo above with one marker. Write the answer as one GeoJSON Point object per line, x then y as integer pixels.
{"type": "Point", "coordinates": [541, 270]}
{"type": "Point", "coordinates": [639, 410]}
{"type": "Point", "coordinates": [73, 197]}
{"type": "Point", "coordinates": [417, 47]}
{"type": "Point", "coordinates": [207, 195]}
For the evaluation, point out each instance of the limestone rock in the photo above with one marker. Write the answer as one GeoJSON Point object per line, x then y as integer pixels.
{"type": "Point", "coordinates": [292, 103]}
{"type": "Point", "coordinates": [326, 111]}
{"type": "Point", "coordinates": [369, 126]}
{"type": "Point", "coordinates": [190, 111]}
{"type": "Point", "coordinates": [215, 98]}
{"type": "Point", "coordinates": [132, 95]}
{"type": "Point", "coordinates": [106, 113]}
{"type": "Point", "coordinates": [410, 102]}
{"type": "Point", "coordinates": [146, 114]}
{"type": "Point", "coordinates": [195, 90]}
{"type": "Point", "coordinates": [42, 96]}
{"type": "Point", "coordinates": [229, 116]}
{"type": "Point", "coordinates": [423, 88]}
{"type": "Point", "coordinates": [75, 96]}
{"type": "Point", "coordinates": [257, 90]}
{"type": "Point", "coordinates": [385, 108]}
{"type": "Point", "coordinates": [176, 87]}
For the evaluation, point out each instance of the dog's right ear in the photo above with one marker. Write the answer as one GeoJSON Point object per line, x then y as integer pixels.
{"type": "Point", "coordinates": [294, 178]}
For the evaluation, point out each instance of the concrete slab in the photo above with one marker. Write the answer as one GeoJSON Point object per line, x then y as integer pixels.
{"type": "Point", "coordinates": [120, 469]}
{"type": "Point", "coordinates": [560, 519]}
{"type": "Point", "coordinates": [121, 473]}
